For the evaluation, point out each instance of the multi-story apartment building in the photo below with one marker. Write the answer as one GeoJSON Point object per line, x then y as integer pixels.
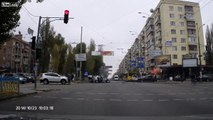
{"type": "Point", "coordinates": [172, 34]}
{"type": "Point", "coordinates": [16, 55]}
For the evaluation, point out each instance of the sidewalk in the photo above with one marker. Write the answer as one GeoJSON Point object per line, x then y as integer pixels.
{"type": "Point", "coordinates": [25, 89]}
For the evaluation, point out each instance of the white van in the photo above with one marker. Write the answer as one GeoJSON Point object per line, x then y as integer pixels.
{"type": "Point", "coordinates": [116, 77]}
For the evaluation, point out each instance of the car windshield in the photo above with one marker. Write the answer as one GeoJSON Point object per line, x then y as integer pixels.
{"type": "Point", "coordinates": [106, 59]}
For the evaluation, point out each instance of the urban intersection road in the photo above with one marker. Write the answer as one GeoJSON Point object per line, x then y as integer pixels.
{"type": "Point", "coordinates": [117, 100]}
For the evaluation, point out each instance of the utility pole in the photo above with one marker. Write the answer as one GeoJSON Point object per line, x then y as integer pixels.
{"type": "Point", "coordinates": [81, 53]}
{"type": "Point", "coordinates": [199, 51]}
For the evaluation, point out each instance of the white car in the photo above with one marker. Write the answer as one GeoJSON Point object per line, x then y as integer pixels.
{"type": "Point", "coordinates": [116, 77]}
{"type": "Point", "coordinates": [51, 77]}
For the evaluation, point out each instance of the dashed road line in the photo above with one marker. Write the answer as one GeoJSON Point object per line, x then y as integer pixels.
{"type": "Point", "coordinates": [67, 98]}
{"type": "Point", "coordinates": [178, 99]}
{"type": "Point", "coordinates": [115, 100]}
{"type": "Point", "coordinates": [80, 98]}
{"type": "Point", "coordinates": [148, 100]}
{"type": "Point", "coordinates": [132, 100]}
{"type": "Point", "coordinates": [96, 99]}
{"type": "Point", "coordinates": [163, 100]}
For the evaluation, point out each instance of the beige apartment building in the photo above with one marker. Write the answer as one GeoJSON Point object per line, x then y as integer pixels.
{"type": "Point", "coordinates": [173, 38]}
{"type": "Point", "coordinates": [16, 55]}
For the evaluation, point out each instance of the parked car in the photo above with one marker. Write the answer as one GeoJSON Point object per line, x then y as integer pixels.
{"type": "Point", "coordinates": [28, 76]}
{"type": "Point", "coordinates": [205, 77]}
{"type": "Point", "coordinates": [178, 78]}
{"type": "Point", "coordinates": [148, 78]}
{"type": "Point", "coordinates": [134, 78]}
{"type": "Point", "coordinates": [21, 79]}
{"type": "Point", "coordinates": [51, 77]}
{"type": "Point", "coordinates": [105, 80]}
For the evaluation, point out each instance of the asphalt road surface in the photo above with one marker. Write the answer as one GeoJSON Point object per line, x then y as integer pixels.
{"type": "Point", "coordinates": [117, 100]}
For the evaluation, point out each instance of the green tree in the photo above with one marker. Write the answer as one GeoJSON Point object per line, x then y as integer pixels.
{"type": "Point", "coordinates": [9, 17]}
{"type": "Point", "coordinates": [69, 66]}
{"type": "Point", "coordinates": [209, 45]}
{"type": "Point", "coordinates": [90, 58]}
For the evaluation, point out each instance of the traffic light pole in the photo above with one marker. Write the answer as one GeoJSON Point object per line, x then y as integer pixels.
{"type": "Point", "coordinates": [36, 45]}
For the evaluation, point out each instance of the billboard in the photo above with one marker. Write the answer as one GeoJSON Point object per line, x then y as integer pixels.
{"type": "Point", "coordinates": [96, 53]}
{"type": "Point", "coordinates": [163, 61]}
{"type": "Point", "coordinates": [190, 62]}
{"type": "Point", "coordinates": [107, 53]}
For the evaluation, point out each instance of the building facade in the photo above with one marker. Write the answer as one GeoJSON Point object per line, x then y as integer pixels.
{"type": "Point", "coordinates": [172, 38]}
{"type": "Point", "coordinates": [16, 55]}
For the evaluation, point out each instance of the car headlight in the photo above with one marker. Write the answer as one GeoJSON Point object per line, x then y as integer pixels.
{"type": "Point", "coordinates": [20, 78]}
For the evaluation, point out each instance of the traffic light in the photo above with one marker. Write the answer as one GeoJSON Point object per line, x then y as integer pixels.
{"type": "Point", "coordinates": [66, 16]}
{"type": "Point", "coordinates": [38, 53]}
{"type": "Point", "coordinates": [33, 43]}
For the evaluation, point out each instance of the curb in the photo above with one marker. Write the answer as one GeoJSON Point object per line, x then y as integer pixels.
{"type": "Point", "coordinates": [17, 96]}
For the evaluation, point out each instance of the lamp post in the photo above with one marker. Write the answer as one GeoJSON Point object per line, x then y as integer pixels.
{"type": "Point", "coordinates": [199, 51]}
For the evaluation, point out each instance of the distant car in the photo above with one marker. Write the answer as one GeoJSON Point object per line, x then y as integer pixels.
{"type": "Point", "coordinates": [116, 77]}
{"type": "Point", "coordinates": [178, 78]}
{"type": "Point", "coordinates": [134, 78]}
{"type": "Point", "coordinates": [148, 78]}
{"type": "Point", "coordinates": [21, 79]}
{"type": "Point", "coordinates": [205, 77]}
{"type": "Point", "coordinates": [51, 77]}
{"type": "Point", "coordinates": [29, 77]}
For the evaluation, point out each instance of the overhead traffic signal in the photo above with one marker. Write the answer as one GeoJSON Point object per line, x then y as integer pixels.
{"type": "Point", "coordinates": [66, 16]}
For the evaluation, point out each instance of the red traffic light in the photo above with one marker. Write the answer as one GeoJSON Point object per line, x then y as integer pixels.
{"type": "Point", "coordinates": [66, 16]}
{"type": "Point", "coordinates": [66, 12]}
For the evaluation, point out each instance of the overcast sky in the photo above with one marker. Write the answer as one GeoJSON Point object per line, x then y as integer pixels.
{"type": "Point", "coordinates": [108, 22]}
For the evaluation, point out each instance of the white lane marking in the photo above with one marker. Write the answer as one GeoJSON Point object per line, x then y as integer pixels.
{"type": "Point", "coordinates": [191, 99]}
{"type": "Point", "coordinates": [203, 98]}
{"type": "Point", "coordinates": [116, 100]}
{"type": "Point", "coordinates": [67, 98]}
{"type": "Point", "coordinates": [177, 99]}
{"type": "Point", "coordinates": [52, 97]}
{"type": "Point", "coordinates": [148, 100]}
{"type": "Point", "coordinates": [80, 98]}
{"type": "Point", "coordinates": [96, 99]}
{"type": "Point", "coordinates": [114, 93]}
{"type": "Point", "coordinates": [37, 96]}
{"type": "Point", "coordinates": [102, 93]}
{"type": "Point", "coordinates": [163, 100]}
{"type": "Point", "coordinates": [133, 100]}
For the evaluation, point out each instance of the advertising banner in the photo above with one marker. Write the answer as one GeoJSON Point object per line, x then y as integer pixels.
{"type": "Point", "coordinates": [163, 61]}
{"type": "Point", "coordinates": [107, 53]}
{"type": "Point", "coordinates": [81, 57]}
{"type": "Point", "coordinates": [96, 53]}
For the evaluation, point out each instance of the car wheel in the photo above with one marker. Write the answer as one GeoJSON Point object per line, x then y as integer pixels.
{"type": "Point", "coordinates": [46, 81]}
{"type": "Point", "coordinates": [63, 82]}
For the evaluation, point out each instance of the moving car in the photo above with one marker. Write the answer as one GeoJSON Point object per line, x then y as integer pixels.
{"type": "Point", "coordinates": [116, 77]}
{"type": "Point", "coordinates": [51, 77]}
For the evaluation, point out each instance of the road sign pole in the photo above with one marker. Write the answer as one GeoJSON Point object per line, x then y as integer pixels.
{"type": "Point", "coordinates": [81, 53]}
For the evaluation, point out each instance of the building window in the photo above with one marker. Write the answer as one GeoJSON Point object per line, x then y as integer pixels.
{"type": "Point", "coordinates": [172, 23]}
{"type": "Point", "coordinates": [171, 15]}
{"type": "Point", "coordinates": [182, 32]}
{"type": "Point", "coordinates": [183, 40]}
{"type": "Point", "coordinates": [171, 8]}
{"type": "Point", "coordinates": [174, 40]}
{"type": "Point", "coordinates": [191, 31]}
{"type": "Point", "coordinates": [175, 57]}
{"type": "Point", "coordinates": [173, 31]}
{"type": "Point", "coordinates": [192, 40]}
{"type": "Point", "coordinates": [181, 16]}
{"type": "Point", "coordinates": [183, 48]}
{"type": "Point", "coordinates": [182, 24]}
{"type": "Point", "coordinates": [174, 48]}
{"type": "Point", "coordinates": [180, 9]}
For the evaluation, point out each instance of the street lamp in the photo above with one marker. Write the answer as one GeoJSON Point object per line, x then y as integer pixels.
{"type": "Point", "coordinates": [199, 52]}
